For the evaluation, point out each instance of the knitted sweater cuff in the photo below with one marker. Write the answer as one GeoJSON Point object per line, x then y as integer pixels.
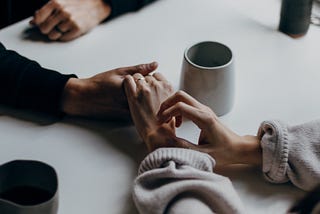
{"type": "Point", "coordinates": [273, 137]}
{"type": "Point", "coordinates": [180, 156]}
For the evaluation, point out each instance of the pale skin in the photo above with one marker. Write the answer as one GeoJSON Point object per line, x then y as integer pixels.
{"type": "Point", "coordinates": [155, 111]}
{"type": "Point", "coordinates": [66, 20]}
{"type": "Point", "coordinates": [101, 96]}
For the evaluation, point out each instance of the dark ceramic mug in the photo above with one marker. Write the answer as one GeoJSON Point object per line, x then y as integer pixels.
{"type": "Point", "coordinates": [28, 187]}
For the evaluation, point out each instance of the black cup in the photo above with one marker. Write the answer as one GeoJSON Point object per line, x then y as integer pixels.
{"type": "Point", "coordinates": [28, 187]}
{"type": "Point", "coordinates": [295, 17]}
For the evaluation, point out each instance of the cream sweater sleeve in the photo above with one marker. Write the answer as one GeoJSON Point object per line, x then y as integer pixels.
{"type": "Point", "coordinates": [291, 153]}
{"type": "Point", "coordinates": [173, 180]}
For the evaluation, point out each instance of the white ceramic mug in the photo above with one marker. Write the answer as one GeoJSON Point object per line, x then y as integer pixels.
{"type": "Point", "coordinates": [208, 75]}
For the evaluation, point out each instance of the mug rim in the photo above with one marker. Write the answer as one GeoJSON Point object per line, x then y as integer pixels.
{"type": "Point", "coordinates": [204, 67]}
{"type": "Point", "coordinates": [55, 194]}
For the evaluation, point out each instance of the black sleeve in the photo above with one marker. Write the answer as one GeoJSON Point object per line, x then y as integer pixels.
{"type": "Point", "coordinates": [123, 6]}
{"type": "Point", "coordinates": [25, 84]}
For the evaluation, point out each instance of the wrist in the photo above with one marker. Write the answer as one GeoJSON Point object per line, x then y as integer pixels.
{"type": "Point", "coordinates": [249, 150]}
{"type": "Point", "coordinates": [71, 96]}
{"type": "Point", "coordinates": [161, 136]}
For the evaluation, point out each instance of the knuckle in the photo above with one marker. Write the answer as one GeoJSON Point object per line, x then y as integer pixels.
{"type": "Point", "coordinates": [66, 14]}
{"type": "Point", "coordinates": [44, 29]}
{"type": "Point", "coordinates": [55, 4]}
{"type": "Point", "coordinates": [126, 80]}
{"type": "Point", "coordinates": [76, 27]}
{"type": "Point", "coordinates": [179, 94]}
{"type": "Point", "coordinates": [146, 90]}
{"type": "Point", "coordinates": [179, 105]}
{"type": "Point", "coordinates": [59, 7]}
{"type": "Point", "coordinates": [52, 36]}
{"type": "Point", "coordinates": [169, 87]}
{"type": "Point", "coordinates": [154, 83]}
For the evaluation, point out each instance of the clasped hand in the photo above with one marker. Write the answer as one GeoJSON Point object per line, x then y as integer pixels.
{"type": "Point", "coordinates": [156, 111]}
{"type": "Point", "coordinates": [68, 19]}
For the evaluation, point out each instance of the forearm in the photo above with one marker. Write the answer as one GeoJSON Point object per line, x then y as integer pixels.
{"type": "Point", "coordinates": [168, 173]}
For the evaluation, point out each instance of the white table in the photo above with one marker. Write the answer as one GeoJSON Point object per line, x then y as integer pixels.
{"type": "Point", "coordinates": [277, 78]}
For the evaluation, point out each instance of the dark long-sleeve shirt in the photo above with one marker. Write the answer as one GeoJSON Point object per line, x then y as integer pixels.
{"type": "Point", "coordinates": [123, 6]}
{"type": "Point", "coordinates": [25, 84]}
{"type": "Point", "coordinates": [12, 11]}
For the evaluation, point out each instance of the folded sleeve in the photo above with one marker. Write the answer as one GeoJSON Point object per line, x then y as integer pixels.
{"type": "Point", "coordinates": [119, 7]}
{"type": "Point", "coordinates": [174, 180]}
{"type": "Point", "coordinates": [291, 153]}
{"type": "Point", "coordinates": [25, 84]}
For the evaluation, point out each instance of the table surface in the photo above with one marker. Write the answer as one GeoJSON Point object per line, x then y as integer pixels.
{"type": "Point", "coordinates": [277, 77]}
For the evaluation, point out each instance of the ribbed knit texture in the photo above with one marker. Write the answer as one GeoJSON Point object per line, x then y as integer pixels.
{"type": "Point", "coordinates": [291, 153]}
{"type": "Point", "coordinates": [173, 180]}
{"type": "Point", "coordinates": [180, 156]}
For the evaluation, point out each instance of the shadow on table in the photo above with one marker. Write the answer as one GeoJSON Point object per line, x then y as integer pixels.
{"type": "Point", "coordinates": [119, 135]}
{"type": "Point", "coordinates": [40, 119]}
{"type": "Point", "coordinates": [123, 137]}
{"type": "Point", "coordinates": [250, 179]}
{"type": "Point", "coordinates": [34, 34]}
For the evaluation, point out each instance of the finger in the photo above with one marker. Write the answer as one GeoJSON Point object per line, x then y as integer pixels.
{"type": "Point", "coordinates": [41, 15]}
{"type": "Point", "coordinates": [54, 35]}
{"type": "Point", "coordinates": [143, 69]}
{"type": "Point", "coordinates": [130, 86]}
{"type": "Point", "coordinates": [65, 25]}
{"type": "Point", "coordinates": [151, 80]}
{"type": "Point", "coordinates": [70, 35]}
{"type": "Point", "coordinates": [179, 96]}
{"type": "Point", "coordinates": [48, 25]}
{"type": "Point", "coordinates": [137, 76]}
{"type": "Point", "coordinates": [185, 110]}
{"type": "Point", "coordinates": [158, 76]}
{"type": "Point", "coordinates": [139, 80]}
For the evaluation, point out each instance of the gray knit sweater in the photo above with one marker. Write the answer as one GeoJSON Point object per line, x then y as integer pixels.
{"type": "Point", "coordinates": [173, 180]}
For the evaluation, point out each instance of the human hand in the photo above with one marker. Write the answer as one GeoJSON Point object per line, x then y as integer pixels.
{"type": "Point", "coordinates": [68, 19]}
{"type": "Point", "coordinates": [101, 96]}
{"type": "Point", "coordinates": [145, 95]}
{"type": "Point", "coordinates": [215, 138]}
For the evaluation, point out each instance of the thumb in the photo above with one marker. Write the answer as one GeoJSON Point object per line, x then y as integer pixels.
{"type": "Point", "coordinates": [143, 69]}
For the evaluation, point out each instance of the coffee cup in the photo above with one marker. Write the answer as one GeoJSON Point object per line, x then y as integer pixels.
{"type": "Point", "coordinates": [208, 75]}
{"type": "Point", "coordinates": [28, 187]}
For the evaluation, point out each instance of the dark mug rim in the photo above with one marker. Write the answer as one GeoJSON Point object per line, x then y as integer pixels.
{"type": "Point", "coordinates": [56, 184]}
